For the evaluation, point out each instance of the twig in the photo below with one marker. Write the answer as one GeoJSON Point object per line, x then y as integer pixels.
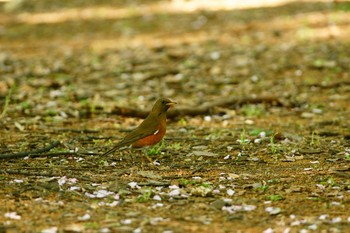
{"type": "Point", "coordinates": [206, 108]}
{"type": "Point", "coordinates": [330, 85]}
{"type": "Point", "coordinates": [27, 153]}
{"type": "Point", "coordinates": [30, 173]}
{"type": "Point", "coordinates": [49, 173]}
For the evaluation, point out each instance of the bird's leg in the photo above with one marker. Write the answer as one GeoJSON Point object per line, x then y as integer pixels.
{"type": "Point", "coordinates": [160, 147]}
{"type": "Point", "coordinates": [132, 158]}
{"type": "Point", "coordinates": [147, 157]}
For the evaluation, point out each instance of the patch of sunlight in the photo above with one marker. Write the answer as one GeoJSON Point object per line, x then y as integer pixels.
{"type": "Point", "coordinates": [161, 7]}
{"type": "Point", "coordinates": [147, 40]}
{"type": "Point", "coordinates": [197, 5]}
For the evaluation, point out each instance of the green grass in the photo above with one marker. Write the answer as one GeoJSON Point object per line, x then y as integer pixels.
{"type": "Point", "coordinates": [256, 132]}
{"type": "Point", "coordinates": [145, 196]}
{"type": "Point", "coordinates": [329, 181]}
{"type": "Point", "coordinates": [252, 110]}
{"type": "Point", "coordinates": [262, 188]}
{"type": "Point", "coordinates": [157, 149]}
{"type": "Point", "coordinates": [184, 182]}
{"type": "Point", "coordinates": [175, 146]}
{"type": "Point", "coordinates": [342, 6]}
{"type": "Point", "coordinates": [7, 101]}
{"type": "Point", "coordinates": [315, 139]}
{"type": "Point", "coordinates": [243, 139]}
{"type": "Point", "coordinates": [205, 185]}
{"type": "Point", "coordinates": [275, 197]}
{"type": "Point", "coordinates": [272, 145]}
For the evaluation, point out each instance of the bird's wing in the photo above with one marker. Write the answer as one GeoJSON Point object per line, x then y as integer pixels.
{"type": "Point", "coordinates": [146, 128]}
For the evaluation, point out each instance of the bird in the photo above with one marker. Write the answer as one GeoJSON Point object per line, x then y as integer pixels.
{"type": "Point", "coordinates": [150, 131]}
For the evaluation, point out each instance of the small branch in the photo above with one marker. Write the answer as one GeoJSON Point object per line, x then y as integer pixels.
{"type": "Point", "coordinates": [330, 85]}
{"type": "Point", "coordinates": [204, 109]}
{"type": "Point", "coordinates": [27, 153]}
{"type": "Point", "coordinates": [30, 173]}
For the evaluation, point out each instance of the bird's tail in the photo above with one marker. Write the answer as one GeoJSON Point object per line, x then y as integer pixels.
{"type": "Point", "coordinates": [119, 145]}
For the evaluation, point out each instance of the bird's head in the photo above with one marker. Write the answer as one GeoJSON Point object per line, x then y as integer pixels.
{"type": "Point", "coordinates": [162, 105]}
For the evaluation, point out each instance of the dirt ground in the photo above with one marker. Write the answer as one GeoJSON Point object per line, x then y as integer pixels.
{"type": "Point", "coordinates": [271, 153]}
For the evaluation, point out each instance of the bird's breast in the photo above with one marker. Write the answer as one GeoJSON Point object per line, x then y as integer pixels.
{"type": "Point", "coordinates": [152, 139]}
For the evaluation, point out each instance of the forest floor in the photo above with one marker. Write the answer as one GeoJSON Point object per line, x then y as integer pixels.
{"type": "Point", "coordinates": [258, 142]}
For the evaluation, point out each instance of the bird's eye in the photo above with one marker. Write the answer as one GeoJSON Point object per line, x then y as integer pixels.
{"type": "Point", "coordinates": [163, 102]}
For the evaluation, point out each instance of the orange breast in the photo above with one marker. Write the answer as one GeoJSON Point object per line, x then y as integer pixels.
{"type": "Point", "coordinates": [151, 139]}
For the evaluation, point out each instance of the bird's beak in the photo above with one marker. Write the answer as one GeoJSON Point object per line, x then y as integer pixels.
{"type": "Point", "coordinates": [170, 104]}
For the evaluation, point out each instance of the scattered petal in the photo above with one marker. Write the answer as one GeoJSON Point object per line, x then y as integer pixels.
{"type": "Point", "coordinates": [90, 195]}
{"type": "Point", "coordinates": [230, 192]}
{"type": "Point", "coordinates": [257, 140]}
{"type": "Point", "coordinates": [104, 230]}
{"type": "Point", "coordinates": [233, 176]}
{"type": "Point", "coordinates": [273, 210]}
{"type": "Point", "coordinates": [156, 163]}
{"type": "Point", "coordinates": [262, 134]}
{"type": "Point", "coordinates": [137, 230]}
{"type": "Point", "coordinates": [295, 223]}
{"type": "Point", "coordinates": [157, 198]}
{"type": "Point", "coordinates": [227, 200]}
{"type": "Point", "coordinates": [336, 220]}
{"type": "Point", "coordinates": [126, 221]}
{"type": "Point", "coordinates": [12, 215]}
{"type": "Point", "coordinates": [207, 118]}
{"type": "Point", "coordinates": [64, 180]}
{"type": "Point", "coordinates": [215, 55]}
{"type": "Point", "coordinates": [335, 203]}
{"type": "Point", "coordinates": [249, 207]}
{"type": "Point", "coordinates": [84, 217]}
{"type": "Point", "coordinates": [61, 181]}
{"type": "Point", "coordinates": [268, 230]}
{"type": "Point", "coordinates": [175, 192]}
{"type": "Point", "coordinates": [112, 204]}
{"type": "Point", "coordinates": [157, 205]}
{"type": "Point", "coordinates": [102, 193]}
{"type": "Point", "coordinates": [313, 227]}
{"type": "Point", "coordinates": [50, 230]}
{"type": "Point", "coordinates": [228, 209]}
{"type": "Point", "coordinates": [19, 126]}
{"type": "Point", "coordinates": [74, 188]}
{"type": "Point", "coordinates": [134, 185]}
{"type": "Point", "coordinates": [156, 220]}
{"type": "Point", "coordinates": [323, 217]}
{"type": "Point", "coordinates": [249, 122]}
{"type": "Point", "coordinates": [216, 191]}
{"type": "Point", "coordinates": [18, 181]}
